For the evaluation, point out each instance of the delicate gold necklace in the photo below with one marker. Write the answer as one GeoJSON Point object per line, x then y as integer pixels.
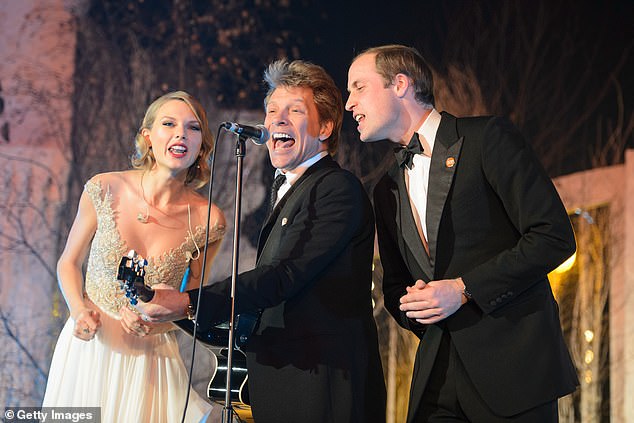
{"type": "Point", "coordinates": [140, 216]}
{"type": "Point", "coordinates": [145, 218]}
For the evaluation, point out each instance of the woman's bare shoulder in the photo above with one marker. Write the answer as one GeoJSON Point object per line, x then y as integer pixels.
{"type": "Point", "coordinates": [116, 181]}
{"type": "Point", "coordinates": [201, 204]}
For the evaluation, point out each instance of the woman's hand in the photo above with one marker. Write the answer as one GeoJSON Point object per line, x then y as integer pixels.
{"type": "Point", "coordinates": [87, 322]}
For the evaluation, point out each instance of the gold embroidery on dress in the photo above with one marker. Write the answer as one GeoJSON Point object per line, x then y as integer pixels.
{"type": "Point", "coordinates": [107, 248]}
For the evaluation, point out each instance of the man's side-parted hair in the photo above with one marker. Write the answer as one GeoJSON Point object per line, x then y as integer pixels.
{"type": "Point", "coordinates": [327, 96]}
{"type": "Point", "coordinates": [143, 157]}
{"type": "Point", "coordinates": [393, 59]}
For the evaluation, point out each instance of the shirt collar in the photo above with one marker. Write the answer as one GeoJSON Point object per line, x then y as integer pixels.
{"type": "Point", "coordinates": [294, 174]}
{"type": "Point", "coordinates": [428, 130]}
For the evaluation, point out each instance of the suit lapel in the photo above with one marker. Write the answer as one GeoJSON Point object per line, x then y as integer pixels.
{"type": "Point", "coordinates": [444, 162]}
{"type": "Point", "coordinates": [407, 225]}
{"type": "Point", "coordinates": [267, 227]}
{"type": "Point", "coordinates": [443, 166]}
{"type": "Point", "coordinates": [271, 219]}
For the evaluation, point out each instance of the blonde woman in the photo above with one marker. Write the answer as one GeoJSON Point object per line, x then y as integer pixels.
{"type": "Point", "coordinates": [104, 357]}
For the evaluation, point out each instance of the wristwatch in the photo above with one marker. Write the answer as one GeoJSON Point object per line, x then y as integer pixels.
{"type": "Point", "coordinates": [190, 310]}
{"type": "Point", "coordinates": [466, 293]}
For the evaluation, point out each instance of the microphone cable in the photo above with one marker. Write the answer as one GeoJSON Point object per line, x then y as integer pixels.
{"type": "Point", "coordinates": [202, 274]}
{"type": "Point", "coordinates": [204, 267]}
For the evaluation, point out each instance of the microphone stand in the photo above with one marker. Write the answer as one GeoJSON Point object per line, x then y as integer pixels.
{"type": "Point", "coordinates": [240, 152]}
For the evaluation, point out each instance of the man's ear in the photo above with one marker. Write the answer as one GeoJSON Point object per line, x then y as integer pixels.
{"type": "Point", "coordinates": [325, 130]}
{"type": "Point", "coordinates": [401, 84]}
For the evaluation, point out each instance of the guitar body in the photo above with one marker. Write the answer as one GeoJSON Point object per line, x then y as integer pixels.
{"type": "Point", "coordinates": [217, 340]}
{"type": "Point", "coordinates": [218, 336]}
{"type": "Point", "coordinates": [216, 390]}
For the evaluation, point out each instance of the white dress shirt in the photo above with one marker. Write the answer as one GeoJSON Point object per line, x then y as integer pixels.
{"type": "Point", "coordinates": [417, 178]}
{"type": "Point", "coordinates": [294, 174]}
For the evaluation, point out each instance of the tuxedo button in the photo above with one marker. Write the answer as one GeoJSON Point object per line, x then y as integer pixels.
{"type": "Point", "coordinates": [493, 303]}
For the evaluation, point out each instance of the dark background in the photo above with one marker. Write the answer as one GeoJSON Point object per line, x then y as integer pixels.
{"type": "Point", "coordinates": [561, 70]}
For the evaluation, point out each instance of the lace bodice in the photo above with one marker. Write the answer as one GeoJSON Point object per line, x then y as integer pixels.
{"type": "Point", "coordinates": [107, 248]}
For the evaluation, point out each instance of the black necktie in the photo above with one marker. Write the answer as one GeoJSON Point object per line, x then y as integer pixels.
{"type": "Point", "coordinates": [277, 183]}
{"type": "Point", "coordinates": [405, 155]}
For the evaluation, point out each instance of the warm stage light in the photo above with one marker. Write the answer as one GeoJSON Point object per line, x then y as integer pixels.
{"type": "Point", "coordinates": [566, 265]}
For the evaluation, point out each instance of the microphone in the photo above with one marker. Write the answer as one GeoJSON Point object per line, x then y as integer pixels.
{"type": "Point", "coordinates": [258, 133]}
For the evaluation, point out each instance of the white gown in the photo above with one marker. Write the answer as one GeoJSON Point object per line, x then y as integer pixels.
{"type": "Point", "coordinates": [132, 379]}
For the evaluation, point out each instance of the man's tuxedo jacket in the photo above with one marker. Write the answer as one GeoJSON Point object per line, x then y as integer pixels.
{"type": "Point", "coordinates": [314, 356]}
{"type": "Point", "coordinates": [495, 219]}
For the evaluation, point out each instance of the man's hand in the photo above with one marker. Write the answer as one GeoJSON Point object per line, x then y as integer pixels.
{"type": "Point", "coordinates": [134, 324]}
{"type": "Point", "coordinates": [167, 305]}
{"type": "Point", "coordinates": [434, 301]}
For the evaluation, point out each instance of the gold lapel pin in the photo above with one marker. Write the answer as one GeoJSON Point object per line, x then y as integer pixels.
{"type": "Point", "coordinates": [450, 162]}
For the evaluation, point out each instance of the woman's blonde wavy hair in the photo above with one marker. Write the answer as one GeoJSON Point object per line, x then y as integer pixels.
{"type": "Point", "coordinates": [143, 157]}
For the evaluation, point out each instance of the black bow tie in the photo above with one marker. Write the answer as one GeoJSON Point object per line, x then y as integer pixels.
{"type": "Point", "coordinates": [405, 155]}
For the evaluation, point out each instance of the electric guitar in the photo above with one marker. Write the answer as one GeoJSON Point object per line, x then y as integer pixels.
{"type": "Point", "coordinates": [131, 274]}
